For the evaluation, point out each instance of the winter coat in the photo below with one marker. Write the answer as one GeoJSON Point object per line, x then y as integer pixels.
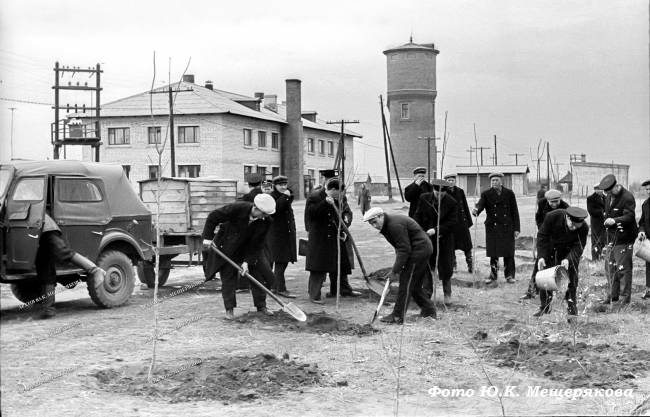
{"type": "Point", "coordinates": [596, 210]}
{"type": "Point", "coordinates": [501, 223]}
{"type": "Point", "coordinates": [281, 238]}
{"type": "Point", "coordinates": [364, 200]}
{"type": "Point", "coordinates": [554, 239]}
{"type": "Point", "coordinates": [462, 237]}
{"type": "Point", "coordinates": [411, 243]}
{"type": "Point", "coordinates": [644, 221]}
{"type": "Point", "coordinates": [412, 194]}
{"type": "Point", "coordinates": [621, 208]}
{"type": "Point", "coordinates": [543, 208]}
{"type": "Point", "coordinates": [250, 196]}
{"type": "Point", "coordinates": [427, 216]}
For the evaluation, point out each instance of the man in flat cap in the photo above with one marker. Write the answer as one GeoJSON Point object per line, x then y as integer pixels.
{"type": "Point", "coordinates": [501, 226]}
{"type": "Point", "coordinates": [281, 238]}
{"type": "Point", "coordinates": [621, 232]}
{"type": "Point", "coordinates": [437, 214]}
{"type": "Point", "coordinates": [561, 239]}
{"type": "Point", "coordinates": [239, 231]}
{"type": "Point", "coordinates": [596, 210]}
{"type": "Point", "coordinates": [413, 191]}
{"type": "Point", "coordinates": [462, 237]}
{"type": "Point", "coordinates": [552, 200]}
{"type": "Point", "coordinates": [412, 252]}
{"type": "Point", "coordinates": [644, 233]}
{"type": "Point", "coordinates": [254, 183]}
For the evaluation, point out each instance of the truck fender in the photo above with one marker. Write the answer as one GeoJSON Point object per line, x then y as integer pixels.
{"type": "Point", "coordinates": [116, 235]}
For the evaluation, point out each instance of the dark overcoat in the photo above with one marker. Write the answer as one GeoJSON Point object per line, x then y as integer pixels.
{"type": "Point", "coordinates": [501, 223]}
{"type": "Point", "coordinates": [323, 235]}
{"type": "Point", "coordinates": [644, 221]}
{"type": "Point", "coordinates": [250, 196]}
{"type": "Point", "coordinates": [364, 200]}
{"type": "Point", "coordinates": [412, 194]}
{"type": "Point", "coordinates": [462, 237]}
{"type": "Point", "coordinates": [556, 242]}
{"type": "Point", "coordinates": [621, 208]}
{"type": "Point", "coordinates": [236, 237]}
{"type": "Point", "coordinates": [411, 243]}
{"type": "Point", "coordinates": [281, 238]}
{"type": "Point", "coordinates": [543, 208]}
{"type": "Point", "coordinates": [596, 210]}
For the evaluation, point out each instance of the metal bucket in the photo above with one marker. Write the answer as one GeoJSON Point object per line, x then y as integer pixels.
{"type": "Point", "coordinates": [550, 278]}
{"type": "Point", "coordinates": [642, 249]}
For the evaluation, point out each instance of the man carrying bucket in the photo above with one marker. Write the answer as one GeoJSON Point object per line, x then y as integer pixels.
{"type": "Point", "coordinates": [644, 232]}
{"type": "Point", "coordinates": [560, 241]}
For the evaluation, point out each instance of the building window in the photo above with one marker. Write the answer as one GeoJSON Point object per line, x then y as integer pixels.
{"type": "Point", "coordinates": [275, 140]}
{"type": "Point", "coordinates": [248, 137]}
{"type": "Point", "coordinates": [275, 171]}
{"type": "Point", "coordinates": [127, 170]}
{"type": "Point", "coordinates": [188, 134]}
{"type": "Point", "coordinates": [312, 174]}
{"type": "Point", "coordinates": [261, 139]}
{"type": "Point", "coordinates": [262, 171]}
{"type": "Point", "coordinates": [248, 169]}
{"type": "Point", "coordinates": [189, 171]}
{"type": "Point", "coordinates": [118, 136]}
{"type": "Point", "coordinates": [154, 135]}
{"type": "Point", "coordinates": [321, 147]}
{"type": "Point", "coordinates": [153, 172]}
{"type": "Point", "coordinates": [406, 113]}
{"type": "Point", "coordinates": [330, 148]}
{"type": "Point", "coordinates": [310, 145]}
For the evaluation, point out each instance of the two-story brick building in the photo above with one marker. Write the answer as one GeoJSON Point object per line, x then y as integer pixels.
{"type": "Point", "coordinates": [219, 134]}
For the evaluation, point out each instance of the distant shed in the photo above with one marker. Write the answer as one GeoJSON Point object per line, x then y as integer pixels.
{"type": "Point", "coordinates": [515, 177]}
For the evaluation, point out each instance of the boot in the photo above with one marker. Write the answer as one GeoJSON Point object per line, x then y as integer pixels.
{"type": "Point", "coordinates": [572, 309]}
{"type": "Point", "coordinates": [230, 314]}
{"type": "Point", "coordinates": [265, 311]}
{"type": "Point", "coordinates": [392, 319]}
{"type": "Point", "coordinates": [545, 303]}
{"type": "Point", "coordinates": [429, 313]}
{"type": "Point", "coordinates": [95, 273]}
{"type": "Point", "coordinates": [470, 263]}
{"type": "Point", "coordinates": [47, 305]}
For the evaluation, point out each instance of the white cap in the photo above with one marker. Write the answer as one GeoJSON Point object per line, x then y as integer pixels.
{"type": "Point", "coordinates": [265, 203]}
{"type": "Point", "coordinates": [372, 213]}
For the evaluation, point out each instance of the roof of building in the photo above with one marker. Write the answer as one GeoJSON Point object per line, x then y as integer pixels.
{"type": "Point", "coordinates": [567, 179]}
{"type": "Point", "coordinates": [413, 46]}
{"type": "Point", "coordinates": [488, 169]}
{"type": "Point", "coordinates": [320, 124]}
{"type": "Point", "coordinates": [599, 164]}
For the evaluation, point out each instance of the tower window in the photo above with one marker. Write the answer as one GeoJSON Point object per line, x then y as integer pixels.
{"type": "Point", "coordinates": [406, 111]}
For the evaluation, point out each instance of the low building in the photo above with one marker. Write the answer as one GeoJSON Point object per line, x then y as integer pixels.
{"type": "Point", "coordinates": [515, 177]}
{"type": "Point", "coordinates": [219, 134]}
{"type": "Point", "coordinates": [584, 175]}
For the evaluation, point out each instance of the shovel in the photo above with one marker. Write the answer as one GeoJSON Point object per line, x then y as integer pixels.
{"type": "Point", "coordinates": [289, 308]}
{"type": "Point", "coordinates": [381, 300]}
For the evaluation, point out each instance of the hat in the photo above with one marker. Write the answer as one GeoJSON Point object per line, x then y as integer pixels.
{"type": "Point", "coordinates": [608, 182]}
{"type": "Point", "coordinates": [552, 194]}
{"type": "Point", "coordinates": [438, 183]}
{"type": "Point", "coordinates": [646, 182]}
{"type": "Point", "coordinates": [449, 176]}
{"type": "Point", "coordinates": [576, 214]}
{"type": "Point", "coordinates": [420, 170]}
{"type": "Point", "coordinates": [372, 213]}
{"type": "Point", "coordinates": [597, 186]}
{"type": "Point", "coordinates": [496, 174]}
{"type": "Point", "coordinates": [280, 179]}
{"type": "Point", "coordinates": [265, 203]}
{"type": "Point", "coordinates": [329, 173]}
{"type": "Point", "coordinates": [254, 178]}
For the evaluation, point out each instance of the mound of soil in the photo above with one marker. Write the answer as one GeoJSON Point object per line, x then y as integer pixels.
{"type": "Point", "coordinates": [582, 365]}
{"type": "Point", "coordinates": [316, 323]}
{"type": "Point", "coordinates": [228, 379]}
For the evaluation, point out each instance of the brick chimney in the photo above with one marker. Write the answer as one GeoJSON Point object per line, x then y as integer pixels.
{"type": "Point", "coordinates": [310, 115]}
{"type": "Point", "coordinates": [291, 150]}
{"type": "Point", "coordinates": [188, 78]}
{"type": "Point", "coordinates": [209, 85]}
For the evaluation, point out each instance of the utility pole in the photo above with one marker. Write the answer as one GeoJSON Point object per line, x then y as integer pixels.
{"type": "Point", "coordinates": [339, 161]}
{"type": "Point", "coordinates": [548, 164]}
{"type": "Point", "coordinates": [11, 149]}
{"type": "Point", "coordinates": [480, 149]}
{"type": "Point", "coordinates": [495, 151]}
{"type": "Point", "coordinates": [516, 157]}
{"type": "Point", "coordinates": [429, 139]}
{"type": "Point", "coordinates": [471, 152]}
{"type": "Point", "coordinates": [390, 147]}
{"type": "Point", "coordinates": [383, 120]}
{"type": "Point", "coordinates": [172, 148]}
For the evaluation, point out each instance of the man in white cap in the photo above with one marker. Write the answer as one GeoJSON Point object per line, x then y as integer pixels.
{"type": "Point", "coordinates": [239, 231]}
{"type": "Point", "coordinates": [412, 251]}
{"type": "Point", "coordinates": [596, 210]}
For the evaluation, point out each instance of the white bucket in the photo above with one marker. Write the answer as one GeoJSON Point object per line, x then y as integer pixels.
{"type": "Point", "coordinates": [550, 278]}
{"type": "Point", "coordinates": [642, 249]}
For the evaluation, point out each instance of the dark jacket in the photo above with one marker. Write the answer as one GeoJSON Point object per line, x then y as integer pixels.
{"type": "Point", "coordinates": [621, 208]}
{"type": "Point", "coordinates": [281, 238]}
{"type": "Point", "coordinates": [364, 200]}
{"type": "Point", "coordinates": [236, 237]}
{"type": "Point", "coordinates": [543, 208]}
{"type": "Point", "coordinates": [412, 194]}
{"type": "Point", "coordinates": [323, 234]}
{"type": "Point", "coordinates": [644, 221]}
{"type": "Point", "coordinates": [250, 196]}
{"type": "Point", "coordinates": [427, 215]}
{"type": "Point", "coordinates": [596, 210]}
{"type": "Point", "coordinates": [462, 238]}
{"type": "Point", "coordinates": [411, 243]}
{"type": "Point", "coordinates": [541, 193]}
{"type": "Point", "coordinates": [502, 220]}
{"type": "Point", "coordinates": [555, 238]}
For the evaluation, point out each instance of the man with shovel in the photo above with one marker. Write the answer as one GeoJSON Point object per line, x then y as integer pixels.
{"type": "Point", "coordinates": [412, 251]}
{"type": "Point", "coordinates": [239, 231]}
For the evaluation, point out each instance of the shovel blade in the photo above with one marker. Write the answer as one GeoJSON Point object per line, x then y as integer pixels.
{"type": "Point", "coordinates": [294, 311]}
{"type": "Point", "coordinates": [375, 286]}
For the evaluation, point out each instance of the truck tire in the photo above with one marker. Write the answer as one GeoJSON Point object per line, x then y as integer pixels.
{"type": "Point", "coordinates": [146, 274]}
{"type": "Point", "coordinates": [27, 291]}
{"type": "Point", "coordinates": [118, 283]}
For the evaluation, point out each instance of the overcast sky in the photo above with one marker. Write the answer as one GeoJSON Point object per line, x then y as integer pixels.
{"type": "Point", "coordinates": [574, 73]}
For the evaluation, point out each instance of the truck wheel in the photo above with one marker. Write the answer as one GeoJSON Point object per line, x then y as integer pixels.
{"type": "Point", "coordinates": [118, 283]}
{"type": "Point", "coordinates": [146, 273]}
{"type": "Point", "coordinates": [27, 291]}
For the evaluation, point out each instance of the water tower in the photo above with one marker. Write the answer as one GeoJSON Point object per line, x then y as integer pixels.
{"type": "Point", "coordinates": [411, 99]}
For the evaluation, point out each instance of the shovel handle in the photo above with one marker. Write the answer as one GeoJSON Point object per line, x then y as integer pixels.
{"type": "Point", "coordinates": [354, 245]}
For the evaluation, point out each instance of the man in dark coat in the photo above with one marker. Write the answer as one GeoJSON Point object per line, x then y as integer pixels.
{"type": "Point", "coordinates": [501, 226]}
{"type": "Point", "coordinates": [644, 232]}
{"type": "Point", "coordinates": [552, 200]}
{"type": "Point", "coordinates": [413, 191]}
{"type": "Point", "coordinates": [561, 239]}
{"type": "Point", "coordinates": [596, 209]}
{"type": "Point", "coordinates": [541, 192]}
{"type": "Point", "coordinates": [620, 225]}
{"type": "Point", "coordinates": [437, 214]}
{"type": "Point", "coordinates": [281, 239]}
{"type": "Point", "coordinates": [462, 237]}
{"type": "Point", "coordinates": [322, 253]}
{"type": "Point", "coordinates": [364, 199]}
{"type": "Point", "coordinates": [412, 252]}
{"type": "Point", "coordinates": [241, 229]}
{"type": "Point", "coordinates": [255, 184]}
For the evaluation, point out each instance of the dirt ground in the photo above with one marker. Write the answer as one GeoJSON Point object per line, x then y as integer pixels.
{"type": "Point", "coordinates": [93, 362]}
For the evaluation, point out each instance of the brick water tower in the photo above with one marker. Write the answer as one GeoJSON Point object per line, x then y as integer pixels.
{"type": "Point", "coordinates": [411, 99]}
